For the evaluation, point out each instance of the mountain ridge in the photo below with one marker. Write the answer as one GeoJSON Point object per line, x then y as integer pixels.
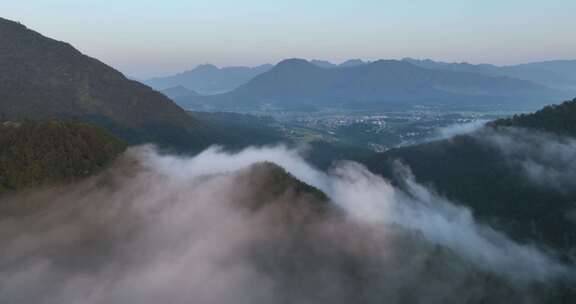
{"type": "Point", "coordinates": [208, 78]}
{"type": "Point", "coordinates": [559, 74]}
{"type": "Point", "coordinates": [43, 78]}
{"type": "Point", "coordinates": [298, 82]}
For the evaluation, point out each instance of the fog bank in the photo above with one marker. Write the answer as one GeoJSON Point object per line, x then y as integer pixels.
{"type": "Point", "coordinates": [233, 228]}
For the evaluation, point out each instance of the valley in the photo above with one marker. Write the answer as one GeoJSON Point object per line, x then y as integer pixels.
{"type": "Point", "coordinates": [378, 130]}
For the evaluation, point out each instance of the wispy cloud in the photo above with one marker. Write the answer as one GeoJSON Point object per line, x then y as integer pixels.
{"type": "Point", "coordinates": [215, 229]}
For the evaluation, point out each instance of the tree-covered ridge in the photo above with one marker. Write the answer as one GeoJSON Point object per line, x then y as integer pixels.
{"type": "Point", "coordinates": [42, 79]}
{"type": "Point", "coordinates": [515, 173]}
{"type": "Point", "coordinates": [559, 119]}
{"type": "Point", "coordinates": [38, 153]}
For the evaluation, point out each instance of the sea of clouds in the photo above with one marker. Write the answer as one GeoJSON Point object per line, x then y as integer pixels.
{"type": "Point", "coordinates": [212, 228]}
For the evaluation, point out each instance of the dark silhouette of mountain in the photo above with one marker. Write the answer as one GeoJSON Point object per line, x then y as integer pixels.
{"type": "Point", "coordinates": [558, 74]}
{"type": "Point", "coordinates": [489, 171]}
{"type": "Point", "coordinates": [297, 82]}
{"type": "Point", "coordinates": [209, 79]}
{"type": "Point", "coordinates": [178, 91]}
{"type": "Point", "coordinates": [40, 153]}
{"type": "Point", "coordinates": [43, 78]}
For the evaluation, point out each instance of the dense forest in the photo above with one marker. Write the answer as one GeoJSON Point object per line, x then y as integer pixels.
{"type": "Point", "coordinates": [474, 171]}
{"type": "Point", "coordinates": [38, 153]}
{"type": "Point", "coordinates": [558, 119]}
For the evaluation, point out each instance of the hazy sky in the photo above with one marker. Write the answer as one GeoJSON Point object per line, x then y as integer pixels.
{"type": "Point", "coordinates": [150, 37]}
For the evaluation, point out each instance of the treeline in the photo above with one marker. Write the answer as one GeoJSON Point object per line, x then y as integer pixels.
{"type": "Point", "coordinates": [559, 119]}
{"type": "Point", "coordinates": [38, 153]}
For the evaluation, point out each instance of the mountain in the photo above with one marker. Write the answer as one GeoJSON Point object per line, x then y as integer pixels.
{"type": "Point", "coordinates": [252, 229]}
{"type": "Point", "coordinates": [346, 64]}
{"type": "Point", "coordinates": [209, 79]}
{"type": "Point", "coordinates": [40, 153]}
{"type": "Point", "coordinates": [248, 129]}
{"type": "Point", "coordinates": [323, 63]}
{"type": "Point", "coordinates": [558, 74]}
{"type": "Point", "coordinates": [352, 63]}
{"type": "Point", "coordinates": [516, 173]}
{"type": "Point", "coordinates": [178, 91]}
{"type": "Point", "coordinates": [296, 83]}
{"type": "Point", "coordinates": [43, 78]}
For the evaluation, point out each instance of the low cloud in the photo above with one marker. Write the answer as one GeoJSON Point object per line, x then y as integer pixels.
{"type": "Point", "coordinates": [545, 159]}
{"type": "Point", "coordinates": [458, 129]}
{"type": "Point", "coordinates": [217, 228]}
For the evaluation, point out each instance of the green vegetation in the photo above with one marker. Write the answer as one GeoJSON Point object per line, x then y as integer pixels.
{"type": "Point", "coordinates": [240, 130]}
{"type": "Point", "coordinates": [559, 119]}
{"type": "Point", "coordinates": [39, 153]}
{"type": "Point", "coordinates": [273, 185]}
{"type": "Point", "coordinates": [43, 79]}
{"type": "Point", "coordinates": [468, 170]}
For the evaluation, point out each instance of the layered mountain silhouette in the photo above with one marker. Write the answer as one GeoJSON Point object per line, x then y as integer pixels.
{"type": "Point", "coordinates": [559, 74]}
{"type": "Point", "coordinates": [42, 78]}
{"type": "Point", "coordinates": [346, 64]}
{"type": "Point", "coordinates": [179, 91]}
{"type": "Point", "coordinates": [297, 83]}
{"type": "Point", "coordinates": [209, 79]}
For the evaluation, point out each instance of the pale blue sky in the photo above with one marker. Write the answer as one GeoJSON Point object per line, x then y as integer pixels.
{"type": "Point", "coordinates": [145, 38]}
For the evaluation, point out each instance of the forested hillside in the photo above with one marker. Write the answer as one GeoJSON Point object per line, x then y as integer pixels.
{"type": "Point", "coordinates": [40, 153]}
{"type": "Point", "coordinates": [509, 173]}
{"type": "Point", "coordinates": [558, 119]}
{"type": "Point", "coordinates": [42, 78]}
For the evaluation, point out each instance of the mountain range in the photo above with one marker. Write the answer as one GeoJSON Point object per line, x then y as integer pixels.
{"type": "Point", "coordinates": [346, 64]}
{"type": "Point", "coordinates": [209, 79]}
{"type": "Point", "coordinates": [297, 83]}
{"type": "Point", "coordinates": [557, 74]}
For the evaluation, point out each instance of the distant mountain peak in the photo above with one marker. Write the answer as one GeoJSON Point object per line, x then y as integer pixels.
{"type": "Point", "coordinates": [352, 63]}
{"type": "Point", "coordinates": [206, 66]}
{"type": "Point", "coordinates": [392, 63]}
{"type": "Point", "coordinates": [323, 63]}
{"type": "Point", "coordinates": [208, 79]}
{"type": "Point", "coordinates": [294, 61]}
{"type": "Point", "coordinates": [294, 64]}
